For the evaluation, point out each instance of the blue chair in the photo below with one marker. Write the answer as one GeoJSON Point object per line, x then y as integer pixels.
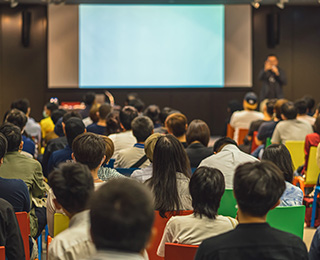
{"type": "Point", "coordinates": [110, 163]}
{"type": "Point", "coordinates": [314, 205]}
{"type": "Point", "coordinates": [39, 241]}
{"type": "Point", "coordinates": [193, 170]}
{"type": "Point", "coordinates": [126, 171]}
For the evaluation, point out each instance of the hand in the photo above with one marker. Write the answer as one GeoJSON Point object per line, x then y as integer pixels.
{"type": "Point", "coordinates": [275, 70]}
{"type": "Point", "coordinates": [267, 66]}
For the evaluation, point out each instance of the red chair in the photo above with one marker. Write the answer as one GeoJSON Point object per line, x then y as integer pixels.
{"type": "Point", "coordinates": [160, 224]}
{"type": "Point", "coordinates": [180, 251]}
{"type": "Point", "coordinates": [24, 225]}
{"type": "Point", "coordinates": [254, 145]}
{"type": "Point", "coordinates": [2, 253]}
{"type": "Point", "coordinates": [242, 134]}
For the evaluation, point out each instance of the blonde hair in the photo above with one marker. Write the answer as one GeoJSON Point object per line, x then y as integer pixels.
{"type": "Point", "coordinates": [149, 145]}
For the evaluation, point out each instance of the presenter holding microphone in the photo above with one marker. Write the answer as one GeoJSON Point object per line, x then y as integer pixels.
{"type": "Point", "coordinates": [273, 78]}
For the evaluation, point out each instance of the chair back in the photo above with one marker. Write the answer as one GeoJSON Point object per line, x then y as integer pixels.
{"type": "Point", "coordinates": [2, 253]}
{"type": "Point", "coordinates": [24, 225]}
{"type": "Point", "coordinates": [296, 149]}
{"type": "Point", "coordinates": [230, 131]}
{"type": "Point", "coordinates": [228, 204]}
{"type": "Point", "coordinates": [242, 134]}
{"type": "Point", "coordinates": [180, 251]}
{"type": "Point", "coordinates": [126, 171]}
{"type": "Point", "coordinates": [289, 219]}
{"type": "Point", "coordinates": [60, 223]}
{"type": "Point", "coordinates": [268, 142]}
{"type": "Point", "coordinates": [313, 169]}
{"type": "Point", "coordinates": [160, 224]}
{"type": "Point", "coordinates": [254, 145]}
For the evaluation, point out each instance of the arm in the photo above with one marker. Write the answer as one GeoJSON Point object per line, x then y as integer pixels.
{"type": "Point", "coordinates": [38, 189]}
{"type": "Point", "coordinates": [166, 238]}
{"type": "Point", "coordinates": [281, 78]}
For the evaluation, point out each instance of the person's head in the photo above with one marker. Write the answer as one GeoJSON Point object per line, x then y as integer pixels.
{"type": "Point", "coordinates": [131, 96]}
{"type": "Point", "coordinates": [18, 118]}
{"type": "Point", "coordinates": [165, 112]}
{"type": "Point", "coordinates": [153, 112]}
{"type": "Point", "coordinates": [234, 105]}
{"type": "Point", "coordinates": [149, 145]}
{"type": "Point", "coordinates": [222, 142]}
{"type": "Point", "coordinates": [277, 107]}
{"type": "Point", "coordinates": [127, 114]}
{"type": "Point", "coordinates": [109, 147]}
{"type": "Point", "coordinates": [13, 136]}
{"type": "Point", "coordinates": [93, 113]}
{"type": "Point", "coordinates": [89, 149]}
{"type": "Point", "coordinates": [73, 127]}
{"type": "Point", "coordinates": [176, 124]}
{"type": "Point", "coordinates": [301, 106]}
{"type": "Point", "coordinates": [113, 123]}
{"type": "Point", "coordinates": [137, 104]}
{"type": "Point", "coordinates": [89, 98]}
{"type": "Point", "coordinates": [22, 104]}
{"type": "Point", "coordinates": [69, 115]}
{"type": "Point", "coordinates": [49, 108]}
{"type": "Point", "coordinates": [280, 156]}
{"type": "Point", "coordinates": [316, 125]}
{"type": "Point", "coordinates": [198, 131]}
{"type": "Point", "coordinates": [57, 114]}
{"type": "Point", "coordinates": [258, 187]}
{"type": "Point", "coordinates": [169, 157]}
{"type": "Point", "coordinates": [310, 103]}
{"type": "Point", "coordinates": [288, 111]}
{"type": "Point", "coordinates": [270, 106]}
{"type": "Point", "coordinates": [206, 189]}
{"type": "Point", "coordinates": [72, 185]}
{"type": "Point", "coordinates": [123, 222]}
{"type": "Point", "coordinates": [3, 147]}
{"type": "Point", "coordinates": [142, 128]}
{"type": "Point", "coordinates": [250, 101]}
{"type": "Point", "coordinates": [104, 110]}
{"type": "Point", "coordinates": [272, 59]}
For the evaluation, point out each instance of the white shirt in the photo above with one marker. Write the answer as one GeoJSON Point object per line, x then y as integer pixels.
{"type": "Point", "coordinates": [144, 174]}
{"type": "Point", "coordinates": [192, 230]}
{"type": "Point", "coordinates": [307, 118]}
{"type": "Point", "coordinates": [122, 141]}
{"type": "Point", "coordinates": [117, 255]}
{"type": "Point", "coordinates": [227, 160]}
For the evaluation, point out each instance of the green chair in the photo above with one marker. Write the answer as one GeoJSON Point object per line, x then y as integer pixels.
{"type": "Point", "coordinates": [296, 149]}
{"type": "Point", "coordinates": [289, 219]}
{"type": "Point", "coordinates": [228, 205]}
{"type": "Point", "coordinates": [268, 142]}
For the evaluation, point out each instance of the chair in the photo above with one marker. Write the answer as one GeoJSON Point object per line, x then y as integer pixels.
{"type": "Point", "coordinates": [2, 253]}
{"type": "Point", "coordinates": [228, 204]}
{"type": "Point", "coordinates": [242, 134]}
{"type": "Point", "coordinates": [160, 224]}
{"type": "Point", "coordinates": [110, 163]}
{"type": "Point", "coordinates": [49, 239]}
{"type": "Point", "coordinates": [296, 149]}
{"type": "Point", "coordinates": [180, 251]}
{"type": "Point", "coordinates": [268, 142]}
{"type": "Point", "coordinates": [60, 223]}
{"type": "Point", "coordinates": [314, 205]}
{"type": "Point", "coordinates": [289, 219]}
{"type": "Point", "coordinates": [254, 145]}
{"type": "Point", "coordinates": [230, 131]}
{"type": "Point", "coordinates": [24, 225]}
{"type": "Point", "coordinates": [126, 171]}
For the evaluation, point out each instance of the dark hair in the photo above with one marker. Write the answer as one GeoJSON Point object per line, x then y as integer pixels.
{"type": "Point", "coordinates": [3, 145]}
{"type": "Point", "coordinates": [277, 107]}
{"type": "Point", "coordinates": [52, 106]}
{"type": "Point", "coordinates": [153, 112]}
{"type": "Point", "coordinates": [57, 114]}
{"type": "Point", "coordinates": [137, 104]}
{"type": "Point", "coordinates": [270, 106]}
{"type": "Point", "coordinates": [258, 187]}
{"type": "Point", "coordinates": [89, 98]}
{"type": "Point", "coordinates": [113, 123]}
{"type": "Point", "coordinates": [74, 127]}
{"type": "Point", "coordinates": [17, 117]}
{"type": "Point", "coordinates": [289, 110]}
{"type": "Point", "coordinates": [13, 135]}
{"type": "Point", "coordinates": [301, 106]}
{"type": "Point", "coordinates": [169, 157]}
{"type": "Point", "coordinates": [280, 156]}
{"type": "Point", "coordinates": [89, 149]}
{"type": "Point", "coordinates": [222, 142]}
{"type": "Point", "coordinates": [104, 110]}
{"type": "Point", "coordinates": [142, 128]}
{"type": "Point", "coordinates": [316, 125]}
{"type": "Point", "coordinates": [165, 112]}
{"type": "Point", "coordinates": [69, 115]}
{"type": "Point", "coordinates": [206, 188]}
{"type": "Point", "coordinates": [121, 216]}
{"type": "Point", "coordinates": [127, 114]}
{"type": "Point", "coordinates": [310, 102]}
{"type": "Point", "coordinates": [198, 130]}
{"type": "Point", "coordinates": [21, 104]}
{"type": "Point", "coordinates": [72, 184]}
{"type": "Point", "coordinates": [234, 105]}
{"type": "Point", "coordinates": [176, 123]}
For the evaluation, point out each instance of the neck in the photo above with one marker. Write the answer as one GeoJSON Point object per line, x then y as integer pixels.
{"type": "Point", "coordinates": [182, 138]}
{"type": "Point", "coordinates": [140, 142]}
{"type": "Point", "coordinates": [94, 174]}
{"type": "Point", "coordinates": [195, 142]}
{"type": "Point", "coordinates": [267, 117]}
{"type": "Point", "coordinates": [244, 218]}
{"type": "Point", "coordinates": [102, 122]}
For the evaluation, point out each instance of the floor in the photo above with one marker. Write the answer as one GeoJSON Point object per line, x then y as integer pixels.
{"type": "Point", "coordinates": [308, 235]}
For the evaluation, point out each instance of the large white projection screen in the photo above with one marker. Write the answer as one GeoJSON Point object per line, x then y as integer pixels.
{"type": "Point", "coordinates": [64, 63]}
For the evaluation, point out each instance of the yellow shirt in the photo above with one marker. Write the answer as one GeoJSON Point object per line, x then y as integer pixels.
{"type": "Point", "coordinates": [47, 126]}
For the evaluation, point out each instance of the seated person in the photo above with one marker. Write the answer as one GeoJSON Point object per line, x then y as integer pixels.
{"type": "Point", "coordinates": [113, 123]}
{"type": "Point", "coordinates": [302, 109]}
{"type": "Point", "coordinates": [280, 156]}
{"type": "Point", "coordinates": [177, 125]}
{"type": "Point", "coordinates": [135, 157]}
{"type": "Point", "coordinates": [165, 112]}
{"type": "Point", "coordinates": [47, 124]}
{"type": "Point", "coordinates": [198, 136]}
{"type": "Point", "coordinates": [206, 189]}
{"type": "Point", "coordinates": [257, 188]}
{"type": "Point", "coordinates": [100, 127]}
{"type": "Point", "coordinates": [153, 112]}
{"type": "Point", "coordinates": [57, 132]}
{"type": "Point", "coordinates": [72, 186]}
{"type": "Point", "coordinates": [314, 253]}
{"type": "Point", "coordinates": [89, 99]}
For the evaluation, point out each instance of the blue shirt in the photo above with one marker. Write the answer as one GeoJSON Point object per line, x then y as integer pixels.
{"type": "Point", "coordinates": [58, 157]}
{"type": "Point", "coordinates": [97, 129]}
{"type": "Point", "coordinates": [292, 196]}
{"type": "Point", "coordinates": [28, 145]}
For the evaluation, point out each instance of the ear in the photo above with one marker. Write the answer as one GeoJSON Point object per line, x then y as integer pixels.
{"type": "Point", "coordinates": [102, 161]}
{"type": "Point", "coordinates": [121, 125]}
{"type": "Point", "coordinates": [28, 111]}
{"type": "Point", "coordinates": [21, 146]}
{"type": "Point", "coordinates": [64, 128]}
{"type": "Point", "coordinates": [56, 204]}
{"type": "Point", "coordinates": [276, 205]}
{"type": "Point", "coordinates": [186, 126]}
{"type": "Point", "coordinates": [73, 158]}
{"type": "Point", "coordinates": [1, 161]}
{"type": "Point", "coordinates": [283, 117]}
{"type": "Point", "coordinates": [85, 130]}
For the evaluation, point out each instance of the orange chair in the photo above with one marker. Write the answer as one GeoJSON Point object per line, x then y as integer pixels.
{"type": "Point", "coordinates": [300, 180]}
{"type": "Point", "coordinates": [242, 134]}
{"type": "Point", "coordinates": [49, 239]}
{"type": "Point", "coordinates": [2, 253]}
{"type": "Point", "coordinates": [180, 251]}
{"type": "Point", "coordinates": [230, 131]}
{"type": "Point", "coordinates": [160, 224]}
{"type": "Point", "coordinates": [24, 225]}
{"type": "Point", "coordinates": [254, 145]}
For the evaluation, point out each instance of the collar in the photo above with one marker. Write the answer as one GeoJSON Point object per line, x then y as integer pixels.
{"type": "Point", "coordinates": [230, 147]}
{"type": "Point", "coordinates": [139, 145]}
{"type": "Point", "coordinates": [79, 218]}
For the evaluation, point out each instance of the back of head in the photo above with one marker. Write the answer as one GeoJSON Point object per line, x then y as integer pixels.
{"type": "Point", "coordinates": [72, 184]}
{"type": "Point", "coordinates": [113, 123]}
{"type": "Point", "coordinates": [310, 102]}
{"type": "Point", "coordinates": [316, 125]}
{"type": "Point", "coordinates": [3, 145]}
{"type": "Point", "coordinates": [57, 114]}
{"type": "Point", "coordinates": [17, 117]}
{"type": "Point", "coordinates": [137, 104]}
{"type": "Point", "coordinates": [52, 106]}
{"type": "Point", "coordinates": [149, 145]}
{"type": "Point", "coordinates": [220, 143]}
{"type": "Point", "coordinates": [258, 187]}
{"type": "Point", "coordinates": [124, 220]}
{"type": "Point", "coordinates": [250, 101]}
{"type": "Point", "coordinates": [199, 131]}
{"type": "Point", "coordinates": [301, 106]}
{"type": "Point", "coordinates": [69, 115]}
{"type": "Point", "coordinates": [89, 149]}
{"type": "Point", "coordinates": [21, 104]}
{"type": "Point", "coordinates": [270, 106]}
{"type": "Point", "coordinates": [127, 114]}
{"type": "Point", "coordinates": [89, 98]}
{"type": "Point", "coordinates": [142, 128]}
{"type": "Point", "coordinates": [74, 127]}
{"type": "Point", "coordinates": [165, 112]}
{"type": "Point", "coordinates": [104, 110]}
{"type": "Point", "coordinates": [289, 110]}
{"type": "Point", "coordinates": [13, 136]}
{"type": "Point", "coordinates": [109, 147]}
{"type": "Point", "coordinates": [93, 114]}
{"type": "Point", "coordinates": [206, 188]}
{"type": "Point", "coordinates": [176, 124]}
{"type": "Point", "coordinates": [277, 107]}
{"type": "Point", "coordinates": [153, 112]}
{"type": "Point", "coordinates": [280, 156]}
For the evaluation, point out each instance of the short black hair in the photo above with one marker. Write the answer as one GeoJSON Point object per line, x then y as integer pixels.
{"type": "Point", "coordinates": [122, 215]}
{"type": "Point", "coordinates": [72, 184]}
{"type": "Point", "coordinates": [206, 188]}
{"type": "Point", "coordinates": [13, 135]}
{"type": "Point", "coordinates": [270, 106]}
{"type": "Point", "coordinates": [21, 104]}
{"type": "Point", "coordinates": [89, 98]}
{"type": "Point", "coordinates": [222, 142]}
{"type": "Point", "coordinates": [289, 110]}
{"type": "Point", "coordinates": [165, 112]}
{"type": "Point", "coordinates": [142, 128]}
{"type": "Point", "coordinates": [301, 106]}
{"type": "Point", "coordinates": [89, 149]}
{"type": "Point", "coordinates": [137, 104]}
{"type": "Point", "coordinates": [69, 115]}
{"type": "Point", "coordinates": [52, 106]}
{"type": "Point", "coordinates": [127, 114]}
{"type": "Point", "coordinates": [57, 114]}
{"type": "Point", "coordinates": [310, 102]}
{"type": "Point", "coordinates": [74, 127]}
{"type": "Point", "coordinates": [153, 112]}
{"type": "Point", "coordinates": [258, 187]}
{"type": "Point", "coordinates": [17, 117]}
{"type": "Point", "coordinates": [3, 145]}
{"type": "Point", "coordinates": [104, 110]}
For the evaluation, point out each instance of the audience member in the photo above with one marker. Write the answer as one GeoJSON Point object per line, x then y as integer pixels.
{"type": "Point", "coordinates": [93, 115]}
{"type": "Point", "coordinates": [153, 112]}
{"type": "Point", "coordinates": [198, 136]}
{"type": "Point", "coordinates": [310, 104]}
{"type": "Point", "coordinates": [72, 185]}
{"type": "Point", "coordinates": [171, 176]}
{"type": "Point", "coordinates": [47, 124]}
{"type": "Point", "coordinates": [89, 99]}
{"type": "Point", "coordinates": [226, 158]}
{"type": "Point", "coordinates": [206, 189]}
{"type": "Point", "coordinates": [56, 117]}
{"type": "Point", "coordinates": [100, 127]}
{"type": "Point", "coordinates": [113, 123]}
{"type": "Point", "coordinates": [135, 157]}
{"type": "Point", "coordinates": [138, 104]}
{"type": "Point", "coordinates": [302, 109]}
{"type": "Point", "coordinates": [280, 156]}
{"type": "Point", "coordinates": [290, 128]}
{"type": "Point", "coordinates": [314, 253]}
{"type": "Point", "coordinates": [165, 112]}
{"type": "Point", "coordinates": [257, 188]}
{"type": "Point", "coordinates": [177, 125]}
